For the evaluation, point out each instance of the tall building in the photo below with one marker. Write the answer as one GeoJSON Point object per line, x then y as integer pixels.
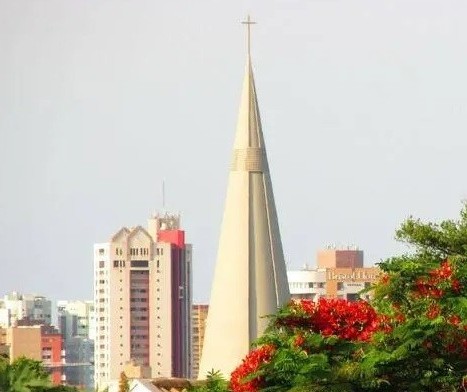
{"type": "Point", "coordinates": [199, 315]}
{"type": "Point", "coordinates": [76, 324]}
{"type": "Point", "coordinates": [16, 306]}
{"type": "Point", "coordinates": [142, 283]}
{"type": "Point", "coordinates": [250, 259]}
{"type": "Point", "coordinates": [340, 273]}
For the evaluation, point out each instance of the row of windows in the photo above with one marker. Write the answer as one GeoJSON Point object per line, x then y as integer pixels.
{"type": "Point", "coordinates": [119, 263]}
{"type": "Point", "coordinates": [139, 251]}
{"type": "Point", "coordinates": [139, 318]}
{"type": "Point", "coordinates": [306, 285]}
{"type": "Point", "coordinates": [139, 337]}
{"type": "Point", "coordinates": [139, 327]}
{"type": "Point", "coordinates": [139, 263]}
{"type": "Point", "coordinates": [139, 345]}
{"type": "Point", "coordinates": [138, 291]}
{"type": "Point", "coordinates": [133, 273]}
{"type": "Point", "coordinates": [138, 300]}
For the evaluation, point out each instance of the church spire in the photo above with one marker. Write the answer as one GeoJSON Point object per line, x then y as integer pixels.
{"type": "Point", "coordinates": [250, 279]}
{"type": "Point", "coordinates": [248, 22]}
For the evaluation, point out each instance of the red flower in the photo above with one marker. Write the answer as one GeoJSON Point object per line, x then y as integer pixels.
{"type": "Point", "coordinates": [454, 319]}
{"type": "Point", "coordinates": [347, 320]}
{"type": "Point", "coordinates": [456, 286]}
{"type": "Point", "coordinates": [250, 365]}
{"type": "Point", "coordinates": [433, 311]}
{"type": "Point", "coordinates": [400, 318]}
{"type": "Point", "coordinates": [384, 279]}
{"type": "Point", "coordinates": [299, 340]}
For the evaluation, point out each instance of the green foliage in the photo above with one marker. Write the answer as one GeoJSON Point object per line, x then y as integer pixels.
{"type": "Point", "coordinates": [427, 287]}
{"type": "Point", "coordinates": [215, 382]}
{"type": "Point", "coordinates": [419, 345]}
{"type": "Point", "coordinates": [23, 375]}
{"type": "Point", "coordinates": [27, 375]}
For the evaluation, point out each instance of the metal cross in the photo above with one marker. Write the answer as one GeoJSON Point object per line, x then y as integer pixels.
{"type": "Point", "coordinates": [248, 22]}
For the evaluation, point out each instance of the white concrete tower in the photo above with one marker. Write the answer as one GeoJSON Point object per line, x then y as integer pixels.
{"type": "Point", "coordinates": [250, 279]}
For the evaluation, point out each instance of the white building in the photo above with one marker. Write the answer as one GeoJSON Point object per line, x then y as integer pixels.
{"type": "Point", "coordinates": [307, 283]}
{"type": "Point", "coordinates": [16, 306]}
{"type": "Point", "coordinates": [142, 296]}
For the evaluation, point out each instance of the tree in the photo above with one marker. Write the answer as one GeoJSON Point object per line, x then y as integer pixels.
{"type": "Point", "coordinates": [23, 375]}
{"type": "Point", "coordinates": [424, 293]}
{"type": "Point", "coordinates": [412, 337]}
{"type": "Point", "coordinates": [214, 382]}
{"type": "Point", "coordinates": [123, 385]}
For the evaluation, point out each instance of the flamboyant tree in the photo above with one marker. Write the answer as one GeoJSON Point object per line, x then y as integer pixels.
{"type": "Point", "coordinates": [412, 337]}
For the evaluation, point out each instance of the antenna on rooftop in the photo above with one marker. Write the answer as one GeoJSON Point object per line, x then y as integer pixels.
{"type": "Point", "coordinates": [163, 195]}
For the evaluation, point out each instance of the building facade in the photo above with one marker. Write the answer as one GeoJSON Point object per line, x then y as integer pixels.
{"type": "Point", "coordinates": [16, 306]}
{"type": "Point", "coordinates": [340, 273]}
{"type": "Point", "coordinates": [76, 324]}
{"type": "Point", "coordinates": [40, 342]}
{"type": "Point", "coordinates": [142, 298]}
{"type": "Point", "coordinates": [76, 318]}
{"type": "Point", "coordinates": [199, 315]}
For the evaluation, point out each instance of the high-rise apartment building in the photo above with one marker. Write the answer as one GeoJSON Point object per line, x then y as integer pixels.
{"type": "Point", "coordinates": [142, 291]}
{"type": "Point", "coordinates": [15, 307]}
{"type": "Point", "coordinates": [76, 322]}
{"type": "Point", "coordinates": [199, 315]}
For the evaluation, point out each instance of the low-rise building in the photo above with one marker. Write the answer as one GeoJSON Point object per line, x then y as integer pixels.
{"type": "Point", "coordinates": [40, 342]}
{"type": "Point", "coordinates": [340, 273]}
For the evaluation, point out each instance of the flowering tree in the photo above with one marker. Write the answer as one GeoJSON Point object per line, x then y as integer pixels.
{"type": "Point", "coordinates": [311, 345]}
{"type": "Point", "coordinates": [424, 293]}
{"type": "Point", "coordinates": [412, 337]}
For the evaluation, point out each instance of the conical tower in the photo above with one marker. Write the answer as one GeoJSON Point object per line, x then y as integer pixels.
{"type": "Point", "coordinates": [250, 279]}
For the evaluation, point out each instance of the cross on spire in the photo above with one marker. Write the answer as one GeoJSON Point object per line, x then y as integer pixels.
{"type": "Point", "coordinates": [248, 22]}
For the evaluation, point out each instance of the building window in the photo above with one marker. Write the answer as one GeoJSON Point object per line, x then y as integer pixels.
{"type": "Point", "coordinates": [340, 286]}
{"type": "Point", "coordinates": [101, 251]}
{"type": "Point", "coordinates": [139, 263]}
{"type": "Point", "coordinates": [115, 263]}
{"type": "Point", "coordinates": [101, 263]}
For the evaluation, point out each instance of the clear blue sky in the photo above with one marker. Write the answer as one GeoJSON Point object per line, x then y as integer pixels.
{"type": "Point", "coordinates": [363, 102]}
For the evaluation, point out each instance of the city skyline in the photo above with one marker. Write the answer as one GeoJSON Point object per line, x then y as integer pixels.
{"type": "Point", "coordinates": [365, 106]}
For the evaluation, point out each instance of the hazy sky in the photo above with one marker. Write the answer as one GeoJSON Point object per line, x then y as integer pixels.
{"type": "Point", "coordinates": [363, 103]}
